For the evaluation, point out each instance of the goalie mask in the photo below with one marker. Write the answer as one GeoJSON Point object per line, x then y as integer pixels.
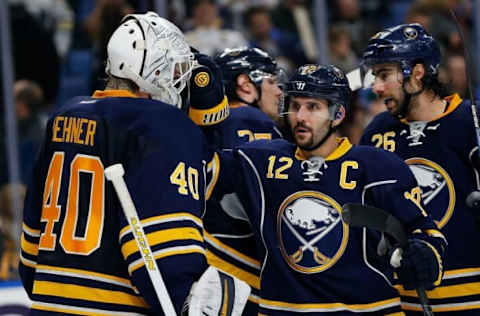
{"type": "Point", "coordinates": [153, 53]}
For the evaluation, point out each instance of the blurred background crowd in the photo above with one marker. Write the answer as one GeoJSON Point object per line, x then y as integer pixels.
{"type": "Point", "coordinates": [58, 49]}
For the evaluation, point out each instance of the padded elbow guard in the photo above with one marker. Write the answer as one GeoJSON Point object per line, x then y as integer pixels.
{"type": "Point", "coordinates": [208, 103]}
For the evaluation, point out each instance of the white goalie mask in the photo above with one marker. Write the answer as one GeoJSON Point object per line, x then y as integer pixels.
{"type": "Point", "coordinates": [153, 53]}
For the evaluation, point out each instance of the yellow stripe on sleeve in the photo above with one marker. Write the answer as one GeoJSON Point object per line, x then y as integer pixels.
{"type": "Point", "coordinates": [167, 253]}
{"type": "Point", "coordinates": [163, 236]}
{"type": "Point", "coordinates": [163, 219]}
{"type": "Point", "coordinates": [30, 231]}
{"type": "Point", "coordinates": [72, 291]}
{"type": "Point", "coordinates": [217, 262]}
{"type": "Point", "coordinates": [299, 307]}
{"type": "Point", "coordinates": [225, 248]}
{"type": "Point", "coordinates": [443, 292]}
{"type": "Point", "coordinates": [28, 247]}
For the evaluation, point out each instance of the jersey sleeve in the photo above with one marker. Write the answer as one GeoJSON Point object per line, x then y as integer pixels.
{"type": "Point", "coordinates": [167, 185]}
{"type": "Point", "coordinates": [30, 237]}
{"type": "Point", "coordinates": [395, 189]}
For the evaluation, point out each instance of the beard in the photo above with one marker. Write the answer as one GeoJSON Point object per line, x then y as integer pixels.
{"type": "Point", "coordinates": [309, 139]}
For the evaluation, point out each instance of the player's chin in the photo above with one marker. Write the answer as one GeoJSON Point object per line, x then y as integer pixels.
{"type": "Point", "coordinates": [394, 110]}
{"type": "Point", "coordinates": [303, 140]}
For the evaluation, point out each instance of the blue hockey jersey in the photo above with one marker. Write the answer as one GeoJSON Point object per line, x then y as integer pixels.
{"type": "Point", "coordinates": [78, 252]}
{"type": "Point", "coordinates": [311, 262]}
{"type": "Point", "coordinates": [228, 235]}
{"type": "Point", "coordinates": [439, 153]}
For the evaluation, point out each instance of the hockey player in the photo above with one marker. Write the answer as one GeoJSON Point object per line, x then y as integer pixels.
{"type": "Point", "coordinates": [250, 77]}
{"type": "Point", "coordinates": [78, 253]}
{"type": "Point", "coordinates": [436, 138]}
{"type": "Point", "coordinates": [311, 262]}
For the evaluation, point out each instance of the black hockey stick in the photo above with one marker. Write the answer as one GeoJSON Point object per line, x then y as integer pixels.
{"type": "Point", "coordinates": [361, 215]}
{"type": "Point", "coordinates": [473, 199]}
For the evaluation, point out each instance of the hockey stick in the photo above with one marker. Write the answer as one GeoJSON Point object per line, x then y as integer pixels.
{"type": "Point", "coordinates": [361, 215]}
{"type": "Point", "coordinates": [115, 173]}
{"type": "Point", "coordinates": [473, 199]}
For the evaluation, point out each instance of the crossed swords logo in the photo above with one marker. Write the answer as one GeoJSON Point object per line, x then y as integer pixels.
{"type": "Point", "coordinates": [319, 257]}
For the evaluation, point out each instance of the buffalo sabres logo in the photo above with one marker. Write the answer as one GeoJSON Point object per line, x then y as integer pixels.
{"type": "Point", "coordinates": [436, 189]}
{"type": "Point", "coordinates": [310, 230]}
{"type": "Point", "coordinates": [410, 33]}
{"type": "Point", "coordinates": [308, 69]}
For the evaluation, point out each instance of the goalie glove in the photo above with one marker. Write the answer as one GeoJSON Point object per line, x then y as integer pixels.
{"type": "Point", "coordinates": [208, 103]}
{"type": "Point", "coordinates": [216, 293]}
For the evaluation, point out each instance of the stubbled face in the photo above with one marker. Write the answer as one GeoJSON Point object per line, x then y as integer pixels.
{"type": "Point", "coordinates": [271, 97]}
{"type": "Point", "coordinates": [388, 86]}
{"type": "Point", "coordinates": [309, 120]}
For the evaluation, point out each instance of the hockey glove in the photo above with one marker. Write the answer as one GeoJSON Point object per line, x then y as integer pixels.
{"type": "Point", "coordinates": [208, 103]}
{"type": "Point", "coordinates": [216, 293]}
{"type": "Point", "coordinates": [419, 264]}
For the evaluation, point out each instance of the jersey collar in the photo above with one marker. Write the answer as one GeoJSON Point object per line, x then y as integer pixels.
{"type": "Point", "coordinates": [235, 105]}
{"type": "Point", "coordinates": [342, 149]}
{"type": "Point", "coordinates": [98, 94]}
{"type": "Point", "coordinates": [453, 100]}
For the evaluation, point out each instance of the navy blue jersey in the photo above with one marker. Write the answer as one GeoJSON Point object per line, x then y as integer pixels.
{"type": "Point", "coordinates": [228, 235]}
{"type": "Point", "coordinates": [78, 251]}
{"type": "Point", "coordinates": [311, 262]}
{"type": "Point", "coordinates": [439, 154]}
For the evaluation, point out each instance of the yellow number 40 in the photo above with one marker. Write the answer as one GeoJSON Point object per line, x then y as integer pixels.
{"type": "Point", "coordinates": [183, 179]}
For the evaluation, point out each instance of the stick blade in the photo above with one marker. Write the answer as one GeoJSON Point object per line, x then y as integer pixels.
{"type": "Point", "coordinates": [361, 215]}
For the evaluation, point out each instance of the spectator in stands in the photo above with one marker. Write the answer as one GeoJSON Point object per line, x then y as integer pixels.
{"type": "Point", "coordinates": [456, 74]}
{"type": "Point", "coordinates": [421, 14]}
{"type": "Point", "coordinates": [57, 18]}
{"type": "Point", "coordinates": [29, 100]}
{"type": "Point", "coordinates": [8, 247]}
{"type": "Point", "coordinates": [294, 16]}
{"type": "Point", "coordinates": [34, 52]}
{"type": "Point", "coordinates": [348, 14]}
{"type": "Point", "coordinates": [208, 34]}
{"type": "Point", "coordinates": [341, 51]}
{"type": "Point", "coordinates": [100, 25]}
{"type": "Point", "coordinates": [282, 46]}
{"type": "Point", "coordinates": [441, 25]}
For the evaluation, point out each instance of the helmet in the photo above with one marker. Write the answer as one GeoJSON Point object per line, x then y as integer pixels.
{"type": "Point", "coordinates": [153, 53]}
{"type": "Point", "coordinates": [406, 44]}
{"type": "Point", "coordinates": [254, 62]}
{"type": "Point", "coordinates": [318, 81]}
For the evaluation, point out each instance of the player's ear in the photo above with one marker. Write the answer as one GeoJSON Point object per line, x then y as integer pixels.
{"type": "Point", "coordinates": [243, 82]}
{"type": "Point", "coordinates": [339, 116]}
